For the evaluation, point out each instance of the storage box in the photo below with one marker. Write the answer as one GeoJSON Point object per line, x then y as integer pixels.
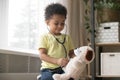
{"type": "Point", "coordinates": [108, 32]}
{"type": "Point", "coordinates": [110, 64]}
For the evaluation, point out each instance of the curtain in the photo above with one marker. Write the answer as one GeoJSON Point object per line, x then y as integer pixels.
{"type": "Point", "coordinates": [75, 21]}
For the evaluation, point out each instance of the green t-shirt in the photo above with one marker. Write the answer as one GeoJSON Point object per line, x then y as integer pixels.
{"type": "Point", "coordinates": [55, 49]}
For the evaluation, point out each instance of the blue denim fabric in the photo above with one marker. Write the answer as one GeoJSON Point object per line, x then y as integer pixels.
{"type": "Point", "coordinates": [46, 74]}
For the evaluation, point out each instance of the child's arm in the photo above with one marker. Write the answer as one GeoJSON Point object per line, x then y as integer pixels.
{"type": "Point", "coordinates": [47, 58]}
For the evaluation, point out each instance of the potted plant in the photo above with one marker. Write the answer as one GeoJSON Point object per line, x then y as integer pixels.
{"type": "Point", "coordinates": [108, 10]}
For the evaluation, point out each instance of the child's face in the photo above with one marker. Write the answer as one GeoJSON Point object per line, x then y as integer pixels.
{"type": "Point", "coordinates": [56, 24]}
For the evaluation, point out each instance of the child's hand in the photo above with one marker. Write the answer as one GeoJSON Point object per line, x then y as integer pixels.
{"type": "Point", "coordinates": [62, 62]}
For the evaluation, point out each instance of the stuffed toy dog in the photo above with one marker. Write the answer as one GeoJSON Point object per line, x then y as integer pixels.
{"type": "Point", "coordinates": [76, 65]}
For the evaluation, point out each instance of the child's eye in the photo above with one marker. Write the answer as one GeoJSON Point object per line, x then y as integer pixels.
{"type": "Point", "coordinates": [56, 24]}
{"type": "Point", "coordinates": [62, 24]}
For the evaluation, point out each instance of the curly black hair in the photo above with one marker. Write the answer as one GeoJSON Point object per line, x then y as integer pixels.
{"type": "Point", "coordinates": [55, 8]}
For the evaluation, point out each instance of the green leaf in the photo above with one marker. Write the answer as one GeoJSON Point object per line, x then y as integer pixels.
{"type": "Point", "coordinates": [86, 1]}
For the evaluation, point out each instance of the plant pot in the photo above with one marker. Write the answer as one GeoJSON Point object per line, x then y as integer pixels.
{"type": "Point", "coordinates": [108, 15]}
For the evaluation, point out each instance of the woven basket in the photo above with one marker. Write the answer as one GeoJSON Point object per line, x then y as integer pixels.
{"type": "Point", "coordinates": [108, 15]}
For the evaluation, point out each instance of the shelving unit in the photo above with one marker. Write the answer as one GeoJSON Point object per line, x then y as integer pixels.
{"type": "Point", "coordinates": [98, 48]}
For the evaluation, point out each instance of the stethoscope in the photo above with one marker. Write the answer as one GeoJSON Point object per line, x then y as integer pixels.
{"type": "Point", "coordinates": [61, 42]}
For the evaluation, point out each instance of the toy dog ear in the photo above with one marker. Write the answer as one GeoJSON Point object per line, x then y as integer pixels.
{"type": "Point", "coordinates": [89, 55]}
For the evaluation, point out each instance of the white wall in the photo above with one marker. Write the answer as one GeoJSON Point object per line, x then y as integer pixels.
{"type": "Point", "coordinates": [3, 23]}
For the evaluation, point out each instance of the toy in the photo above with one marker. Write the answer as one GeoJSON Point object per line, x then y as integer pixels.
{"type": "Point", "coordinates": [76, 65]}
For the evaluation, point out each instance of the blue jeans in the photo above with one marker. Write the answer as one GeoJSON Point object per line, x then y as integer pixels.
{"type": "Point", "coordinates": [46, 74]}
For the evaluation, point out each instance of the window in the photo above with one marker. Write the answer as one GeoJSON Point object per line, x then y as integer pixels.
{"type": "Point", "coordinates": [26, 22]}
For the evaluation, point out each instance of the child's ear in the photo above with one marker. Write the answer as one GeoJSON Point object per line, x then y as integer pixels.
{"type": "Point", "coordinates": [47, 22]}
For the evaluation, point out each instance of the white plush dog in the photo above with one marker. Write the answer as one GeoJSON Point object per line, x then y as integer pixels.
{"type": "Point", "coordinates": [84, 55]}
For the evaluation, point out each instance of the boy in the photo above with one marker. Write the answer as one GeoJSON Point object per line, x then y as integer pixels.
{"type": "Point", "coordinates": [54, 47]}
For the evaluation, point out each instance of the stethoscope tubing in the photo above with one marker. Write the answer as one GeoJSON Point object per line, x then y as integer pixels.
{"type": "Point", "coordinates": [62, 43]}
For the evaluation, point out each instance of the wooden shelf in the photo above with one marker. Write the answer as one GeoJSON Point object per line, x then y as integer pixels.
{"type": "Point", "coordinates": [107, 76]}
{"type": "Point", "coordinates": [108, 44]}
